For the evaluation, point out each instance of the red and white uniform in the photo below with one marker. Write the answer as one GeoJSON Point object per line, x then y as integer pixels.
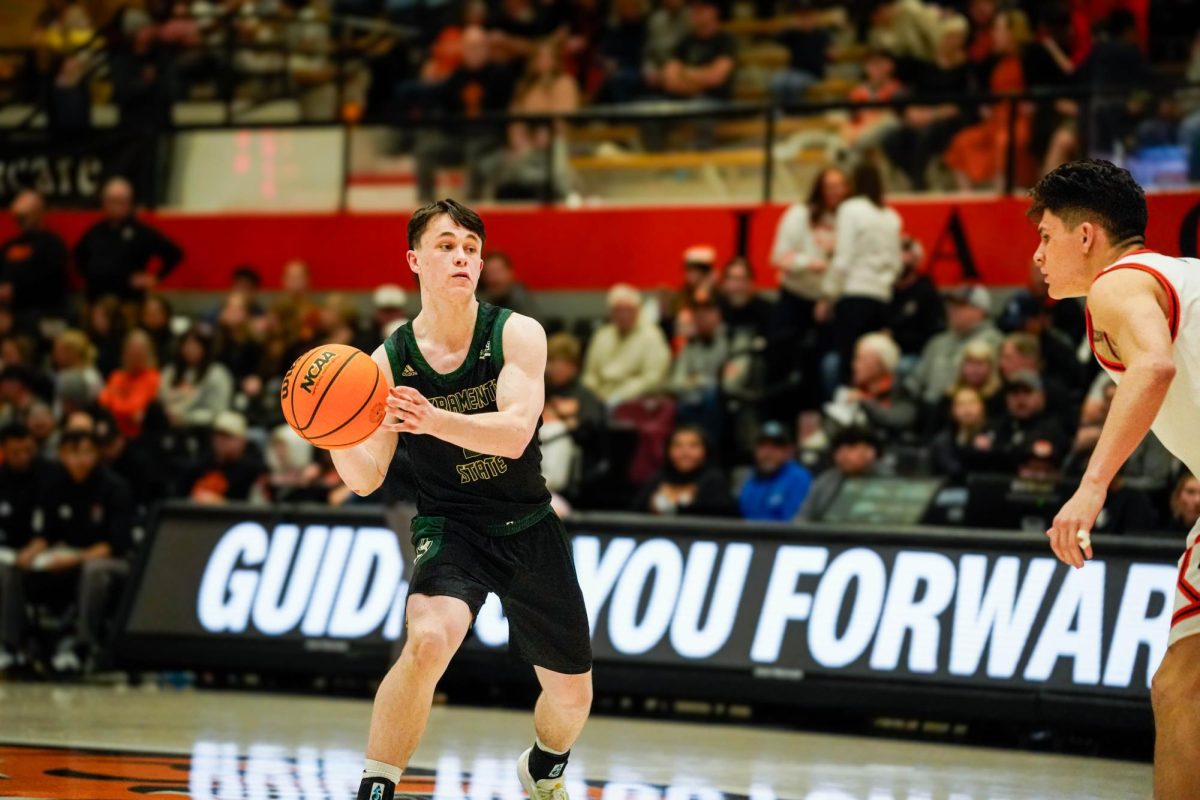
{"type": "Point", "coordinates": [1176, 423]}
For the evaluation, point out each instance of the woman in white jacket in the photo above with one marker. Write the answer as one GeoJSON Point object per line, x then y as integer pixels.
{"type": "Point", "coordinates": [866, 262]}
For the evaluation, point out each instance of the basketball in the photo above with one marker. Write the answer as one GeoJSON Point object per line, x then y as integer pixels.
{"type": "Point", "coordinates": [334, 396]}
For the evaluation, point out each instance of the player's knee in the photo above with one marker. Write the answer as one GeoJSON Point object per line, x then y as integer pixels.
{"type": "Point", "coordinates": [1175, 686]}
{"type": "Point", "coordinates": [574, 693]}
{"type": "Point", "coordinates": [428, 647]}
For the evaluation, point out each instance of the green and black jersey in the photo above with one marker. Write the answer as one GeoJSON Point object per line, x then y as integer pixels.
{"type": "Point", "coordinates": [490, 493]}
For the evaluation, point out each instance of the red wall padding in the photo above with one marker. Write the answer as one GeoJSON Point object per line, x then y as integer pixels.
{"type": "Point", "coordinates": [591, 249]}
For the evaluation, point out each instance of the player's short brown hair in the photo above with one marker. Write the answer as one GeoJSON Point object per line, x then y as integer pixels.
{"type": "Point", "coordinates": [455, 210]}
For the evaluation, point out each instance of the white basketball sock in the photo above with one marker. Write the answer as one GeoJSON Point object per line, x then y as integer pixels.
{"type": "Point", "coordinates": [378, 769]}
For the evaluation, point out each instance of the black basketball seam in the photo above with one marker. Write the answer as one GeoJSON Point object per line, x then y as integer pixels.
{"type": "Point", "coordinates": [292, 387]}
{"type": "Point", "coordinates": [321, 399]}
{"type": "Point", "coordinates": [370, 395]}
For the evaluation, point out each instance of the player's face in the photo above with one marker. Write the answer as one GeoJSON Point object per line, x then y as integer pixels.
{"type": "Point", "coordinates": [448, 258]}
{"type": "Point", "coordinates": [1061, 258]}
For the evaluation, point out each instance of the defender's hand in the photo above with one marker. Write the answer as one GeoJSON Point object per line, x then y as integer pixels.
{"type": "Point", "coordinates": [1078, 514]}
{"type": "Point", "coordinates": [417, 415]}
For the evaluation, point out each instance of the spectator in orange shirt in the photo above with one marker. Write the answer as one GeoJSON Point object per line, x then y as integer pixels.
{"type": "Point", "coordinates": [132, 388]}
{"type": "Point", "coordinates": [868, 127]}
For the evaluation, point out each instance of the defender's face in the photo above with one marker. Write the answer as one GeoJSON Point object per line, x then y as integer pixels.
{"type": "Point", "coordinates": [1061, 258]}
{"type": "Point", "coordinates": [448, 258]}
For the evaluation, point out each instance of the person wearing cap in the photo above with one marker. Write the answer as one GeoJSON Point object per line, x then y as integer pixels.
{"type": "Point", "coordinates": [968, 312]}
{"type": "Point", "coordinates": [675, 311]}
{"type": "Point", "coordinates": [83, 527]}
{"type": "Point", "coordinates": [855, 455]}
{"type": "Point", "coordinates": [388, 304]}
{"type": "Point", "coordinates": [1029, 440]}
{"type": "Point", "coordinates": [499, 286]}
{"type": "Point", "coordinates": [1022, 352]}
{"type": "Point", "coordinates": [628, 357]}
{"type": "Point", "coordinates": [234, 468]}
{"type": "Point", "coordinates": [704, 366]}
{"type": "Point", "coordinates": [779, 485]}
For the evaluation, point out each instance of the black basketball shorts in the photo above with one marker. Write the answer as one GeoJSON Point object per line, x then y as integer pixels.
{"type": "Point", "coordinates": [533, 574]}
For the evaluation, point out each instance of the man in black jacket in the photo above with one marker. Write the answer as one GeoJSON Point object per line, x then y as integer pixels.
{"type": "Point", "coordinates": [83, 525]}
{"type": "Point", "coordinates": [114, 255]}
{"type": "Point", "coordinates": [21, 476]}
{"type": "Point", "coordinates": [33, 266]}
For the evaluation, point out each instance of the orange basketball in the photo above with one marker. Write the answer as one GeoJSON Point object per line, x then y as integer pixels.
{"type": "Point", "coordinates": [334, 396]}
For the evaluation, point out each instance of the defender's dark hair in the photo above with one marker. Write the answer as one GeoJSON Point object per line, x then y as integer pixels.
{"type": "Point", "coordinates": [1093, 190]}
{"type": "Point", "coordinates": [461, 215]}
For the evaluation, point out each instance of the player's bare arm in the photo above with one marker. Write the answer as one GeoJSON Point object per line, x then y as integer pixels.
{"type": "Point", "coordinates": [520, 395]}
{"type": "Point", "coordinates": [1129, 306]}
{"type": "Point", "coordinates": [363, 466]}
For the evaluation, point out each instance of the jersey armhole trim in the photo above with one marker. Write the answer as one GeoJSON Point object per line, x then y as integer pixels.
{"type": "Point", "coordinates": [498, 337]}
{"type": "Point", "coordinates": [1172, 295]}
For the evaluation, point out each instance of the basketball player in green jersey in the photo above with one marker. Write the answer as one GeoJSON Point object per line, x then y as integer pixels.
{"type": "Point", "coordinates": [467, 388]}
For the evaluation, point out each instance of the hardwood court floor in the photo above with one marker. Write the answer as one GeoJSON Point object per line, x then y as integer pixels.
{"type": "Point", "coordinates": [122, 743]}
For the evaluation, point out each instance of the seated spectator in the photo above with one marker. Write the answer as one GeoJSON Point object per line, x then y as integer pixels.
{"type": "Point", "coordinates": [1150, 466]}
{"type": "Point", "coordinates": [499, 286]}
{"type": "Point", "coordinates": [704, 366]}
{"type": "Point", "coordinates": [747, 315]}
{"type": "Point", "coordinates": [701, 68]}
{"type": "Point", "coordinates": [236, 342]}
{"type": "Point", "coordinates": [17, 395]}
{"type": "Point", "coordinates": [926, 130]}
{"type": "Point", "coordinates": [915, 314]}
{"type": "Point", "coordinates": [627, 358]}
{"type": "Point", "coordinates": [779, 484]}
{"type": "Point", "coordinates": [689, 483]}
{"type": "Point", "coordinates": [807, 41]}
{"type": "Point", "coordinates": [140, 462]}
{"type": "Point", "coordinates": [1114, 62]}
{"type": "Point", "coordinates": [623, 53]}
{"type": "Point", "coordinates": [86, 514]}
{"type": "Point", "coordinates": [855, 455]}
{"type": "Point", "coordinates": [294, 475]}
{"type": "Point", "coordinates": [907, 29]}
{"type": "Point", "coordinates": [33, 267]}
{"type": "Point", "coordinates": [480, 85]}
{"type": "Point", "coordinates": [667, 26]}
{"type": "Point", "coordinates": [979, 369]}
{"type": "Point", "coordinates": [41, 423]}
{"type": "Point", "coordinates": [154, 318]}
{"type": "Point", "coordinates": [966, 443]}
{"type": "Point", "coordinates": [1030, 442]}
{"type": "Point", "coordinates": [244, 282]}
{"type": "Point", "coordinates": [1185, 504]}
{"type": "Point", "coordinates": [105, 327]}
{"type": "Point", "coordinates": [1058, 324]}
{"type": "Point", "coordinates": [233, 469]}
{"type": "Point", "coordinates": [967, 313]}
{"type": "Point", "coordinates": [573, 419]}
{"type": "Point", "coordinates": [979, 154]}
{"type": "Point", "coordinates": [546, 88]}
{"type": "Point", "coordinates": [1048, 66]}
{"type": "Point", "coordinates": [1021, 352]}
{"type": "Point", "coordinates": [22, 474]}
{"type": "Point", "coordinates": [131, 389]}
{"type": "Point", "coordinates": [867, 128]}
{"type": "Point", "coordinates": [675, 313]}
{"type": "Point", "coordinates": [74, 360]}
{"type": "Point", "coordinates": [873, 398]}
{"type": "Point", "coordinates": [338, 323]}
{"type": "Point", "coordinates": [195, 388]}
{"type": "Point", "coordinates": [390, 309]}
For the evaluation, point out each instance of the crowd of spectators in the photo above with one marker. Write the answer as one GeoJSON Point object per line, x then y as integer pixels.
{"type": "Point", "coordinates": [416, 61]}
{"type": "Point", "coordinates": [708, 398]}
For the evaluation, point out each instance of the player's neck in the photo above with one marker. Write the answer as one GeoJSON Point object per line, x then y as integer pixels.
{"type": "Point", "coordinates": [450, 322]}
{"type": "Point", "coordinates": [1110, 255]}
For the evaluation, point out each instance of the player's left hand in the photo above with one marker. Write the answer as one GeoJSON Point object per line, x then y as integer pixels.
{"type": "Point", "coordinates": [416, 414]}
{"type": "Point", "coordinates": [1078, 514]}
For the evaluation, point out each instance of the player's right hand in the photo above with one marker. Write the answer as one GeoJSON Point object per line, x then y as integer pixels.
{"type": "Point", "coordinates": [1078, 514]}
